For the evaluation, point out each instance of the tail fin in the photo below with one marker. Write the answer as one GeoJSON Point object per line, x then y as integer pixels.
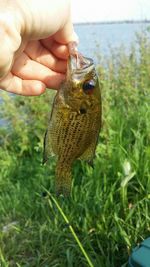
{"type": "Point", "coordinates": [63, 179]}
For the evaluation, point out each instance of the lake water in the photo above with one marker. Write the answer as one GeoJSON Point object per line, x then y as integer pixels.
{"type": "Point", "coordinates": [98, 38]}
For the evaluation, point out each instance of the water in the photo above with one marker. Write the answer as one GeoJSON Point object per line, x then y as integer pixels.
{"type": "Point", "coordinates": [98, 38]}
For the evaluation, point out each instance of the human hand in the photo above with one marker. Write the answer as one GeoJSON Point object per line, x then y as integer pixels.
{"type": "Point", "coordinates": [34, 36]}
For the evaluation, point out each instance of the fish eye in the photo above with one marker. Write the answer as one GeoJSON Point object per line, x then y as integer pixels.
{"type": "Point", "coordinates": [88, 86]}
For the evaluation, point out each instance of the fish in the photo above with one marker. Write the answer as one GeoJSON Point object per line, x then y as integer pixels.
{"type": "Point", "coordinates": [75, 120]}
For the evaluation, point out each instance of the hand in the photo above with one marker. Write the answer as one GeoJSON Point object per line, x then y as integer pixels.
{"type": "Point", "coordinates": [34, 36]}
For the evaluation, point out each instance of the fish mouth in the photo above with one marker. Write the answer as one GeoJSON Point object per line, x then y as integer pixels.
{"type": "Point", "coordinates": [76, 62]}
{"type": "Point", "coordinates": [79, 64]}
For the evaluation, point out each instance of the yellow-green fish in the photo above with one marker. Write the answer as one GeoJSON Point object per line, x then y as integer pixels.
{"type": "Point", "coordinates": [75, 120]}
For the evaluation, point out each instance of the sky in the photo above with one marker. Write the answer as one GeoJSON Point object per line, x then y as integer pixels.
{"type": "Point", "coordinates": [110, 10]}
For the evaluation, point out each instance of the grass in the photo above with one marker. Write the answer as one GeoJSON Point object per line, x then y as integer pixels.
{"type": "Point", "coordinates": [109, 208]}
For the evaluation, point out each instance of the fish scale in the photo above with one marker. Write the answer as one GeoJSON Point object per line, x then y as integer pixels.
{"type": "Point", "coordinates": [74, 123]}
{"type": "Point", "coordinates": [71, 144]}
{"type": "Point", "coordinates": [74, 131]}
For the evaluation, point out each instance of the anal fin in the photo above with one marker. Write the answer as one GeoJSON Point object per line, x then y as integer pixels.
{"type": "Point", "coordinates": [89, 153]}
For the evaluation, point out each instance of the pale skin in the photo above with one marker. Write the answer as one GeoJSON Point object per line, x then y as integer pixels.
{"type": "Point", "coordinates": [34, 37]}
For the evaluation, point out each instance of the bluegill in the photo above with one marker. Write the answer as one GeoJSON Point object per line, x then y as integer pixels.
{"type": "Point", "coordinates": [75, 120]}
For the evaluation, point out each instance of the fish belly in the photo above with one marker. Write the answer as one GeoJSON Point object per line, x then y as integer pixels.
{"type": "Point", "coordinates": [72, 134]}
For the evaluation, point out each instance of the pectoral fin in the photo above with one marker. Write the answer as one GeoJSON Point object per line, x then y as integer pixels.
{"type": "Point", "coordinates": [89, 153]}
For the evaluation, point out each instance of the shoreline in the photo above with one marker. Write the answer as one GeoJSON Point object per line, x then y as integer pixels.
{"type": "Point", "coordinates": [112, 22]}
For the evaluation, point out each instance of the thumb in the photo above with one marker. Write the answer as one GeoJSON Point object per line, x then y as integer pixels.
{"type": "Point", "coordinates": [10, 41]}
{"type": "Point", "coordinates": [67, 34]}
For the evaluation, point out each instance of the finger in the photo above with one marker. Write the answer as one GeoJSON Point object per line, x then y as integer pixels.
{"type": "Point", "coordinates": [66, 34]}
{"type": "Point", "coordinates": [36, 51]}
{"type": "Point", "coordinates": [28, 69]}
{"type": "Point", "coordinates": [59, 50]}
{"type": "Point", "coordinates": [16, 85]}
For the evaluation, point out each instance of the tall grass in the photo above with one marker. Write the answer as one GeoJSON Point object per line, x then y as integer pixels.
{"type": "Point", "coordinates": [109, 208]}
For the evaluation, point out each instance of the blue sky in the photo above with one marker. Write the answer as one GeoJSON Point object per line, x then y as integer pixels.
{"type": "Point", "coordinates": [110, 10]}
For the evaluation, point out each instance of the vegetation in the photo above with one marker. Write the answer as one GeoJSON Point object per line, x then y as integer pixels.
{"type": "Point", "coordinates": [109, 208]}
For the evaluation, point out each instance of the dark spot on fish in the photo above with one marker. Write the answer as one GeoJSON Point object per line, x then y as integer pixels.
{"type": "Point", "coordinates": [82, 110]}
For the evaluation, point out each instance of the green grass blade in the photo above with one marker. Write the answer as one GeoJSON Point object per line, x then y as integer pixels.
{"type": "Point", "coordinates": [71, 229]}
